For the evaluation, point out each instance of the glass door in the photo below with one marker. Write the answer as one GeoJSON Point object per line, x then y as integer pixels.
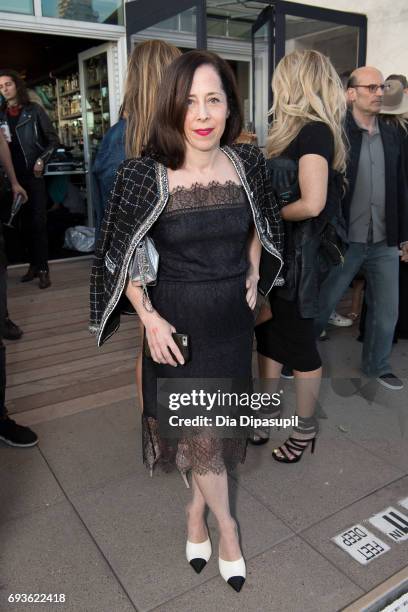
{"type": "Point", "coordinates": [98, 104]}
{"type": "Point", "coordinates": [287, 26]}
{"type": "Point", "coordinates": [180, 22]}
{"type": "Point", "coordinates": [339, 35]}
{"type": "Point", "coordinates": [262, 66]}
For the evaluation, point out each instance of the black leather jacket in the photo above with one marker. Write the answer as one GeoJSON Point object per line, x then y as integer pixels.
{"type": "Point", "coordinates": [310, 262]}
{"type": "Point", "coordinates": [306, 262]}
{"type": "Point", "coordinates": [36, 134]}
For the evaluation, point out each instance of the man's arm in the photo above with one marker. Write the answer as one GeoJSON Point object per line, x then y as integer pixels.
{"type": "Point", "coordinates": [403, 202]}
{"type": "Point", "coordinates": [50, 137]}
{"type": "Point", "coordinates": [6, 162]}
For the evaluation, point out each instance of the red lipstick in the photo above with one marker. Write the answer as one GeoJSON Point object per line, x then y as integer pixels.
{"type": "Point", "coordinates": [203, 132]}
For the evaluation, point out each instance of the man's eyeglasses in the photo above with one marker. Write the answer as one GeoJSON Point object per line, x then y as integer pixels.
{"type": "Point", "coordinates": [373, 87]}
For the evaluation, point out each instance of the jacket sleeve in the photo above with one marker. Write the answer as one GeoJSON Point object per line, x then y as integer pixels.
{"type": "Point", "coordinates": [271, 207]}
{"type": "Point", "coordinates": [403, 195]}
{"type": "Point", "coordinates": [102, 247]}
{"type": "Point", "coordinates": [48, 132]}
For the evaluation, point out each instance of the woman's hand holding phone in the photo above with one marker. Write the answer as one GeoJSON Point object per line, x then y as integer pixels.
{"type": "Point", "coordinates": [162, 347]}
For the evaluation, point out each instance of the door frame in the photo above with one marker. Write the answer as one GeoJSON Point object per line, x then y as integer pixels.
{"type": "Point", "coordinates": [282, 8]}
{"type": "Point", "coordinates": [274, 15]}
{"type": "Point", "coordinates": [142, 14]}
{"type": "Point", "coordinates": [265, 17]}
{"type": "Point", "coordinates": [107, 48]}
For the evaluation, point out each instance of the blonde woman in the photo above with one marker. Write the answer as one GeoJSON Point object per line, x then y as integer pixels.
{"type": "Point", "coordinates": [308, 111]}
{"type": "Point", "coordinates": [126, 138]}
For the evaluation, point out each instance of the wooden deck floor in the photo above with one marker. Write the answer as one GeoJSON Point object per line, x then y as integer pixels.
{"type": "Point", "coordinates": [55, 369]}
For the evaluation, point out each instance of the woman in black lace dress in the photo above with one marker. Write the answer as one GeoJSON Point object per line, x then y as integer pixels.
{"type": "Point", "coordinates": [200, 202]}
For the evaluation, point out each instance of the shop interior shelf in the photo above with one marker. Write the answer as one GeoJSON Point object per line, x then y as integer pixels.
{"type": "Point", "coordinates": [97, 84]}
{"type": "Point", "coordinates": [69, 93]}
{"type": "Point", "coordinates": [75, 116]}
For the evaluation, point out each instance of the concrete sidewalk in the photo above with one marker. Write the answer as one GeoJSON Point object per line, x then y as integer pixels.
{"type": "Point", "coordinates": [80, 515]}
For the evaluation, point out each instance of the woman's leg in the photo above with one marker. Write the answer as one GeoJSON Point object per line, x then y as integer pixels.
{"type": "Point", "coordinates": [268, 368]}
{"type": "Point", "coordinates": [214, 490]}
{"type": "Point", "coordinates": [269, 372]}
{"type": "Point", "coordinates": [264, 314]}
{"type": "Point", "coordinates": [195, 514]}
{"type": "Point", "coordinates": [307, 392]}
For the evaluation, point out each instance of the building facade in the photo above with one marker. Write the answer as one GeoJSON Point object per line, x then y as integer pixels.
{"type": "Point", "coordinates": [73, 53]}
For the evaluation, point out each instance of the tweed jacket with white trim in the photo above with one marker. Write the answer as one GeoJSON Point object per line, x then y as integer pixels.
{"type": "Point", "coordinates": [139, 196]}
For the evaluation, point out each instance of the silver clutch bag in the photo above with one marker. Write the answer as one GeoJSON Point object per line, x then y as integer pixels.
{"type": "Point", "coordinates": [144, 267]}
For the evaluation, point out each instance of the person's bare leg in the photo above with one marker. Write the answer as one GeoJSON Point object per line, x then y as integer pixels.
{"type": "Point", "coordinates": [264, 314]}
{"type": "Point", "coordinates": [214, 489]}
{"type": "Point", "coordinates": [195, 514]}
{"type": "Point", "coordinates": [268, 368]}
{"type": "Point", "coordinates": [269, 373]}
{"type": "Point", "coordinates": [307, 392]}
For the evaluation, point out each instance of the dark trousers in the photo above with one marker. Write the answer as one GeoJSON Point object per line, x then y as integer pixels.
{"type": "Point", "coordinates": [3, 296]}
{"type": "Point", "coordinates": [34, 222]}
{"type": "Point", "coordinates": [401, 330]}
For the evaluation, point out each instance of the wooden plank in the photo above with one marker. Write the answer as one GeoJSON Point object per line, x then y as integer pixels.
{"type": "Point", "coordinates": [82, 389]}
{"type": "Point", "coordinates": [59, 337]}
{"type": "Point", "coordinates": [62, 369]}
{"type": "Point", "coordinates": [26, 320]}
{"type": "Point", "coordinates": [26, 365]}
{"type": "Point", "coordinates": [65, 380]}
{"type": "Point", "coordinates": [97, 400]}
{"type": "Point", "coordinates": [67, 347]}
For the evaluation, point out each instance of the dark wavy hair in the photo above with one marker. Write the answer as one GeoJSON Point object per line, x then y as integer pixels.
{"type": "Point", "coordinates": [22, 93]}
{"type": "Point", "coordinates": [166, 141]}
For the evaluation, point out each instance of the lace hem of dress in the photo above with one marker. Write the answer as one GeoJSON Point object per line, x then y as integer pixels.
{"type": "Point", "coordinates": [214, 195]}
{"type": "Point", "coordinates": [201, 453]}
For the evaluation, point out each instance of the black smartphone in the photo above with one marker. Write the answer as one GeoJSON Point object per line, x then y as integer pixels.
{"type": "Point", "coordinates": [182, 341]}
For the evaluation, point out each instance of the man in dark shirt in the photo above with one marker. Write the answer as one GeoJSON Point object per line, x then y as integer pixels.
{"type": "Point", "coordinates": [376, 212]}
{"type": "Point", "coordinates": [32, 139]}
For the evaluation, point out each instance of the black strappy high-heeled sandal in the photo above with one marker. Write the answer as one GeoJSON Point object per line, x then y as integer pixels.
{"type": "Point", "coordinates": [292, 450]}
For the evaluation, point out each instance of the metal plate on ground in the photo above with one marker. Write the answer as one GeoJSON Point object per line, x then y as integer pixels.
{"type": "Point", "coordinates": [392, 522]}
{"type": "Point", "coordinates": [404, 503]}
{"type": "Point", "coordinates": [400, 605]}
{"type": "Point", "coordinates": [361, 544]}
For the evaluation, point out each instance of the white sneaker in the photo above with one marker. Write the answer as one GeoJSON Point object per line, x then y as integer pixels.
{"type": "Point", "coordinates": [339, 321]}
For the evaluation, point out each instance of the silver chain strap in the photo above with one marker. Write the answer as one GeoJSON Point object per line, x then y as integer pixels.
{"type": "Point", "coordinates": [143, 270]}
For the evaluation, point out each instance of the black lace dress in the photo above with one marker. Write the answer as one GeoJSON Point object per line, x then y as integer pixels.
{"type": "Point", "coordinates": [202, 238]}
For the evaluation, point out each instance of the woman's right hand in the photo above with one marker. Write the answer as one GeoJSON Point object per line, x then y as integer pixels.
{"type": "Point", "coordinates": [159, 337]}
